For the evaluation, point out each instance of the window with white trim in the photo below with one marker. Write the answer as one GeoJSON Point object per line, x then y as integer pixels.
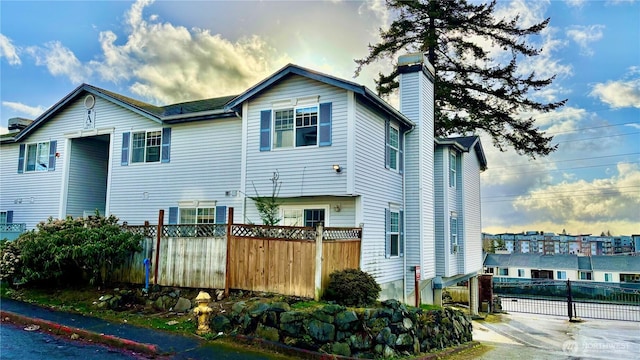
{"type": "Point", "coordinates": [608, 277]}
{"type": "Point", "coordinates": [295, 127]}
{"type": "Point", "coordinates": [520, 272]}
{"type": "Point", "coordinates": [503, 271]}
{"type": "Point", "coordinates": [394, 147]}
{"type": "Point", "coordinates": [394, 233]}
{"type": "Point", "coordinates": [453, 224]}
{"type": "Point", "coordinates": [146, 146]}
{"type": "Point", "coordinates": [37, 157]}
{"type": "Point", "coordinates": [307, 215]}
{"type": "Point", "coordinates": [197, 215]}
{"type": "Point", "coordinates": [3, 217]}
{"type": "Point", "coordinates": [561, 275]}
{"type": "Point", "coordinates": [585, 275]}
{"type": "Point", "coordinates": [452, 169]}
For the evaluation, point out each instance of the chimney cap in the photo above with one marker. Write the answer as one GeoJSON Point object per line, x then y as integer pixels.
{"type": "Point", "coordinates": [416, 59]}
{"type": "Point", "coordinates": [411, 59]}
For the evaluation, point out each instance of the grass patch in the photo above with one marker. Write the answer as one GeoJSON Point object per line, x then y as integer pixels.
{"type": "Point", "coordinates": [430, 307]}
{"type": "Point", "coordinates": [310, 304]}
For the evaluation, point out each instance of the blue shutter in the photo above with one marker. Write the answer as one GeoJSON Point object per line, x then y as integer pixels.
{"type": "Point", "coordinates": [400, 152]}
{"type": "Point", "coordinates": [166, 145]}
{"type": "Point", "coordinates": [173, 215]}
{"type": "Point", "coordinates": [387, 233]}
{"type": "Point", "coordinates": [21, 159]}
{"type": "Point", "coordinates": [124, 160]}
{"type": "Point", "coordinates": [221, 215]}
{"type": "Point", "coordinates": [325, 124]}
{"type": "Point", "coordinates": [52, 155]}
{"type": "Point", "coordinates": [401, 231]}
{"type": "Point", "coordinates": [265, 130]}
{"type": "Point", "coordinates": [387, 147]}
{"type": "Point", "coordinates": [10, 217]}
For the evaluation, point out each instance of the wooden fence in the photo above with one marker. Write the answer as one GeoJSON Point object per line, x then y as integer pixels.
{"type": "Point", "coordinates": [293, 261]}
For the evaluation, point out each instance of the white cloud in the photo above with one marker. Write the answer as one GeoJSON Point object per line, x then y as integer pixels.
{"type": "Point", "coordinates": [169, 63]}
{"type": "Point", "coordinates": [60, 61]}
{"type": "Point", "coordinates": [614, 198]}
{"type": "Point", "coordinates": [31, 111]}
{"type": "Point", "coordinates": [576, 3]}
{"type": "Point", "coordinates": [585, 35]}
{"type": "Point", "coordinates": [8, 51]}
{"type": "Point", "coordinates": [618, 94]}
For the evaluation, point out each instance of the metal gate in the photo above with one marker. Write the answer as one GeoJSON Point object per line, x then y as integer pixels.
{"type": "Point", "coordinates": [571, 299]}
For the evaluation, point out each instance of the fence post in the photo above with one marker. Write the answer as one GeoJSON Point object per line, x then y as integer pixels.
{"type": "Point", "coordinates": [318, 267]}
{"type": "Point", "coordinates": [158, 236]}
{"type": "Point", "coordinates": [569, 300]}
{"type": "Point", "coordinates": [227, 276]}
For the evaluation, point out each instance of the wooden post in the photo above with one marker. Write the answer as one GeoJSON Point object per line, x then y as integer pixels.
{"type": "Point", "coordinates": [318, 267]}
{"type": "Point", "coordinates": [228, 258]}
{"type": "Point", "coordinates": [158, 236]}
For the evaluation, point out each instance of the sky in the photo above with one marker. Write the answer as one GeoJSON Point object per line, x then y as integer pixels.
{"type": "Point", "coordinates": [165, 52]}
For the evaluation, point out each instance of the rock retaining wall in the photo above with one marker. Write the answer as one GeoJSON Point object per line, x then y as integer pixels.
{"type": "Point", "coordinates": [390, 330]}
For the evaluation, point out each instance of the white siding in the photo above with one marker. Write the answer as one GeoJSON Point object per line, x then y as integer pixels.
{"type": "Point", "coordinates": [472, 225]}
{"type": "Point", "coordinates": [205, 162]}
{"type": "Point", "coordinates": [378, 187]}
{"type": "Point", "coordinates": [304, 171]}
{"type": "Point", "coordinates": [416, 102]}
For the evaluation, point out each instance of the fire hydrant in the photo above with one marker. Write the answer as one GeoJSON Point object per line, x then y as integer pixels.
{"type": "Point", "coordinates": [203, 313]}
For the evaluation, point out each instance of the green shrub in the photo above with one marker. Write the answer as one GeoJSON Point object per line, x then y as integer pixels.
{"type": "Point", "coordinates": [9, 261]}
{"type": "Point", "coordinates": [75, 251]}
{"type": "Point", "coordinates": [352, 287]}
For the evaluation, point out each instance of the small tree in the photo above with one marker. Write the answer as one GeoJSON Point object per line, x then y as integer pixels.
{"type": "Point", "coordinates": [269, 206]}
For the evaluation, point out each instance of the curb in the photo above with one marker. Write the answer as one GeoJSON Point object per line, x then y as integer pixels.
{"type": "Point", "coordinates": [67, 331]}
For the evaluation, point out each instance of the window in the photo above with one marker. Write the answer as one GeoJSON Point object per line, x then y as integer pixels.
{"type": "Point", "coordinates": [452, 169]}
{"type": "Point", "coordinates": [295, 127]}
{"type": "Point", "coordinates": [394, 243]}
{"type": "Point", "coordinates": [146, 146]}
{"type": "Point", "coordinates": [585, 275]}
{"type": "Point", "coordinates": [520, 272]}
{"type": "Point", "coordinates": [4, 218]}
{"type": "Point", "coordinates": [200, 215]}
{"type": "Point", "coordinates": [393, 147]}
{"type": "Point", "coordinates": [454, 234]}
{"type": "Point", "coordinates": [394, 233]}
{"type": "Point", "coordinates": [608, 277]}
{"type": "Point", "coordinates": [297, 216]}
{"type": "Point", "coordinates": [561, 275]}
{"type": "Point", "coordinates": [37, 157]}
{"type": "Point", "coordinates": [394, 143]}
{"type": "Point", "coordinates": [503, 271]}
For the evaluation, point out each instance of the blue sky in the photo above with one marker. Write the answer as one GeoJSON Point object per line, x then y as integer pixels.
{"type": "Point", "coordinates": [168, 51]}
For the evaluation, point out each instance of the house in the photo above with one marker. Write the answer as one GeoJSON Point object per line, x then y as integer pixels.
{"type": "Point", "coordinates": [337, 152]}
{"type": "Point", "coordinates": [619, 270]}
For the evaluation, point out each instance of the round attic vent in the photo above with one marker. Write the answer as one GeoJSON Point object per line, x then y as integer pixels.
{"type": "Point", "coordinates": [89, 101]}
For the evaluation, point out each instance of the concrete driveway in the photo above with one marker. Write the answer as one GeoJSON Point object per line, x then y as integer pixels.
{"type": "Point", "coordinates": [530, 336]}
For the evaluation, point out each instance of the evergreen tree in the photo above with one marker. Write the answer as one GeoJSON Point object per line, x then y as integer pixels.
{"type": "Point", "coordinates": [472, 90]}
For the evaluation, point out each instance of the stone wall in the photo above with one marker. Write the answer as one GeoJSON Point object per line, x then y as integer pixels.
{"type": "Point", "coordinates": [390, 330]}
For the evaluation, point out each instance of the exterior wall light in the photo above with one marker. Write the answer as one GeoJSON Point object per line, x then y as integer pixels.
{"type": "Point", "coordinates": [337, 168]}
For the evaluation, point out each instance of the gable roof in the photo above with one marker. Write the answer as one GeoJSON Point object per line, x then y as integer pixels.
{"type": "Point", "coordinates": [620, 263]}
{"type": "Point", "coordinates": [466, 143]}
{"type": "Point", "coordinates": [360, 90]}
{"type": "Point", "coordinates": [205, 109]}
{"type": "Point", "coordinates": [630, 264]}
